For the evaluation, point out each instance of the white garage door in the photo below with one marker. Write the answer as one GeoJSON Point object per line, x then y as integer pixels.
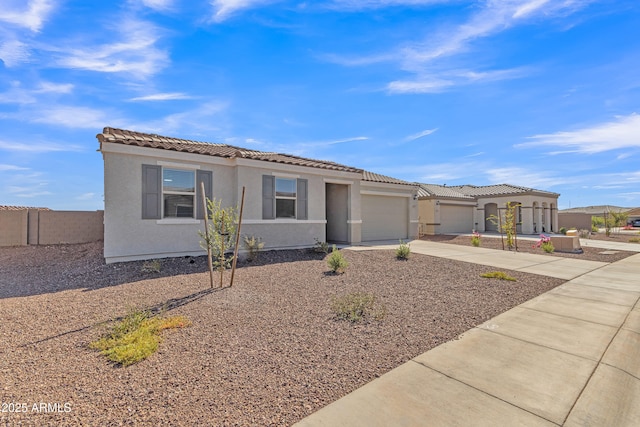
{"type": "Point", "coordinates": [456, 219]}
{"type": "Point", "coordinates": [384, 217]}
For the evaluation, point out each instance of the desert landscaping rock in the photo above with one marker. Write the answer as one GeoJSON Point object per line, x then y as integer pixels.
{"type": "Point", "coordinates": [265, 352]}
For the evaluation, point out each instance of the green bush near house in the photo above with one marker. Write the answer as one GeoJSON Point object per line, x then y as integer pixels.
{"type": "Point", "coordinates": [403, 251]}
{"type": "Point", "coordinates": [336, 261]}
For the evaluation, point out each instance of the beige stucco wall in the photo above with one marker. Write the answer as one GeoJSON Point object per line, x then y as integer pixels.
{"type": "Point", "coordinates": [580, 221]}
{"type": "Point", "coordinates": [41, 227]}
{"type": "Point", "coordinates": [56, 227]}
{"type": "Point", "coordinates": [129, 237]}
{"type": "Point", "coordinates": [13, 228]}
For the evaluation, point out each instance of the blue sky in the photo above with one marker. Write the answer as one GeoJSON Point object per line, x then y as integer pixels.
{"type": "Point", "coordinates": [538, 93]}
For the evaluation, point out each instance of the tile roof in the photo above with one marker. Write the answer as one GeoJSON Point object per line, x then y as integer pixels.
{"type": "Point", "coordinates": [376, 177]}
{"type": "Point", "coordinates": [596, 210]}
{"type": "Point", "coordinates": [497, 190]}
{"type": "Point", "coordinates": [434, 190]}
{"type": "Point", "coordinates": [20, 208]}
{"type": "Point", "coordinates": [127, 137]}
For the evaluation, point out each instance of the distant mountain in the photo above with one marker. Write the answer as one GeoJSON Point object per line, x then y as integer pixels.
{"type": "Point", "coordinates": [596, 210]}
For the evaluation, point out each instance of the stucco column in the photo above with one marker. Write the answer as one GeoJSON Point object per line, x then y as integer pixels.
{"type": "Point", "coordinates": [478, 219]}
{"type": "Point", "coordinates": [554, 213]}
{"type": "Point", "coordinates": [537, 215]}
{"type": "Point", "coordinates": [547, 220]}
{"type": "Point", "coordinates": [527, 220]}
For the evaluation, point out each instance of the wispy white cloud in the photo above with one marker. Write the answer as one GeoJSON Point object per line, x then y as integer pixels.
{"type": "Point", "coordinates": [223, 9]}
{"type": "Point", "coordinates": [526, 177]}
{"type": "Point", "coordinates": [31, 16]}
{"type": "Point", "coordinates": [135, 53]}
{"type": "Point", "coordinates": [86, 196]}
{"type": "Point", "coordinates": [420, 134]}
{"type": "Point", "coordinates": [5, 167]}
{"type": "Point", "coordinates": [17, 94]}
{"type": "Point", "coordinates": [28, 185]}
{"type": "Point", "coordinates": [162, 97]}
{"type": "Point", "coordinates": [13, 53]}
{"type": "Point", "coordinates": [623, 132]}
{"type": "Point", "coordinates": [204, 118]}
{"type": "Point", "coordinates": [36, 147]}
{"type": "Point", "coordinates": [430, 61]}
{"type": "Point", "coordinates": [160, 5]}
{"type": "Point", "coordinates": [71, 117]}
{"type": "Point", "coordinates": [375, 4]}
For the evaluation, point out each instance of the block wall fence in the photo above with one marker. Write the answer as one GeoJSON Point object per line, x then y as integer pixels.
{"type": "Point", "coordinates": [40, 227]}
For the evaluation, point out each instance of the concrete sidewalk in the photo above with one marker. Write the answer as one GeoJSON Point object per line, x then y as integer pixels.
{"type": "Point", "coordinates": [568, 357]}
{"type": "Point", "coordinates": [562, 268]}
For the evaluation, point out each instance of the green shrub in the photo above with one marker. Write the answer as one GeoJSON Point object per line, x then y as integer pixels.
{"type": "Point", "coordinates": [548, 247]}
{"type": "Point", "coordinates": [498, 275]}
{"type": "Point", "coordinates": [475, 239]}
{"type": "Point", "coordinates": [336, 261]}
{"type": "Point", "coordinates": [563, 230]}
{"type": "Point", "coordinates": [135, 337]}
{"type": "Point", "coordinates": [254, 245]}
{"type": "Point", "coordinates": [320, 247]}
{"type": "Point", "coordinates": [152, 266]}
{"type": "Point", "coordinates": [403, 251]}
{"type": "Point", "coordinates": [357, 306]}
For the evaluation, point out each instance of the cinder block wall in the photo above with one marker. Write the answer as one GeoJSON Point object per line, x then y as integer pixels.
{"type": "Point", "coordinates": [70, 227]}
{"type": "Point", "coordinates": [580, 221]}
{"type": "Point", "coordinates": [13, 228]}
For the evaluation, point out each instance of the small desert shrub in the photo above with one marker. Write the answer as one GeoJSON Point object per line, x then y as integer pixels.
{"type": "Point", "coordinates": [475, 239]}
{"type": "Point", "coordinates": [136, 337]}
{"type": "Point", "coordinates": [584, 234]}
{"type": "Point", "coordinates": [357, 306]}
{"type": "Point", "coordinates": [320, 247]}
{"type": "Point", "coordinates": [548, 247]}
{"type": "Point", "coordinates": [152, 266]}
{"type": "Point", "coordinates": [336, 261]}
{"type": "Point", "coordinates": [403, 251]}
{"type": "Point", "coordinates": [498, 275]}
{"type": "Point", "coordinates": [563, 230]}
{"type": "Point", "coordinates": [634, 240]}
{"type": "Point", "coordinates": [254, 245]}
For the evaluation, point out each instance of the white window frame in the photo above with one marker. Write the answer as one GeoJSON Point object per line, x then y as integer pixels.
{"type": "Point", "coordinates": [180, 193]}
{"type": "Point", "coordinates": [294, 198]}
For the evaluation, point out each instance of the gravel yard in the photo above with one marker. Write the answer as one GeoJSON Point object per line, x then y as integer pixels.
{"type": "Point", "coordinates": [265, 352]}
{"type": "Point", "coordinates": [588, 254]}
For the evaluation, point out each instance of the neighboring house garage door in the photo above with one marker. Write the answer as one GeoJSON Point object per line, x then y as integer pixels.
{"type": "Point", "coordinates": [455, 219]}
{"type": "Point", "coordinates": [384, 217]}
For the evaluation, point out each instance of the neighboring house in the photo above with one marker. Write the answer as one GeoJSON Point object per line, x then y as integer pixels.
{"type": "Point", "coordinates": [153, 203]}
{"type": "Point", "coordinates": [580, 217]}
{"type": "Point", "coordinates": [461, 209]}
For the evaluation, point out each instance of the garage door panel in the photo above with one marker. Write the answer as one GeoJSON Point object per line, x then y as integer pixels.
{"type": "Point", "coordinates": [455, 219]}
{"type": "Point", "coordinates": [384, 217]}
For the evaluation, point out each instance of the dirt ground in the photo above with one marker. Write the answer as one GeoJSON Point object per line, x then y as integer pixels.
{"type": "Point", "coordinates": [267, 351]}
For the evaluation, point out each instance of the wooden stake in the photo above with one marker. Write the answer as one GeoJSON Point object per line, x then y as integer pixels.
{"type": "Point", "coordinates": [208, 236]}
{"type": "Point", "coordinates": [235, 253]}
{"type": "Point", "coordinates": [222, 259]}
{"type": "Point", "coordinates": [500, 227]}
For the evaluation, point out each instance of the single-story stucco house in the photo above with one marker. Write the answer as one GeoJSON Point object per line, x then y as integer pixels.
{"type": "Point", "coordinates": [153, 202]}
{"type": "Point", "coordinates": [461, 209]}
